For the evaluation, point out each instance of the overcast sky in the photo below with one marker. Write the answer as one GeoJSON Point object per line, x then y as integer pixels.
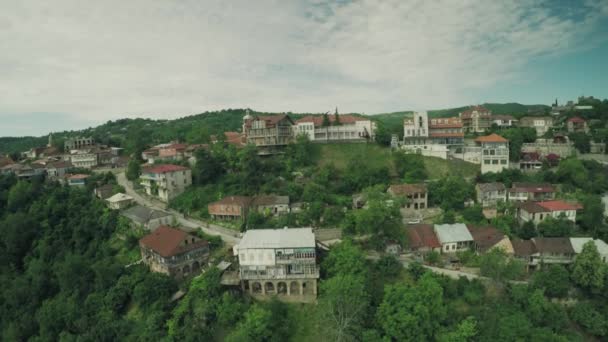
{"type": "Point", "coordinates": [73, 64]}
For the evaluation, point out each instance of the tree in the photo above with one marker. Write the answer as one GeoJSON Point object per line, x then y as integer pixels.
{"type": "Point", "coordinates": [495, 264]}
{"type": "Point", "coordinates": [589, 271]}
{"type": "Point", "coordinates": [527, 230]}
{"type": "Point", "coordinates": [592, 218]}
{"type": "Point", "coordinates": [586, 315]}
{"type": "Point", "coordinates": [133, 170]}
{"type": "Point", "coordinates": [473, 214]}
{"type": "Point", "coordinates": [553, 279]}
{"type": "Point", "coordinates": [345, 259]}
{"type": "Point", "coordinates": [412, 313]}
{"type": "Point", "coordinates": [450, 193]}
{"type": "Point", "coordinates": [342, 306]}
{"type": "Point", "coordinates": [410, 166]}
{"type": "Point", "coordinates": [465, 331]}
{"type": "Point", "coordinates": [326, 122]}
{"type": "Point", "coordinates": [582, 142]}
{"type": "Point", "coordinates": [255, 327]}
{"type": "Point", "coordinates": [560, 227]}
{"type": "Point", "coordinates": [207, 168]}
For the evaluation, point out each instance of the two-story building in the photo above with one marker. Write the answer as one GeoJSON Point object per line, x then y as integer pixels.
{"type": "Point", "coordinates": [174, 252]}
{"type": "Point", "coordinates": [437, 137]}
{"type": "Point", "coordinates": [337, 128]}
{"type": "Point", "coordinates": [119, 201]}
{"type": "Point", "coordinates": [78, 143]}
{"type": "Point", "coordinates": [416, 195]}
{"type": "Point", "coordinates": [489, 194]}
{"type": "Point", "coordinates": [542, 124]}
{"type": "Point", "coordinates": [544, 251]}
{"type": "Point", "coordinates": [58, 169]}
{"type": "Point", "coordinates": [537, 212]}
{"type": "Point", "coordinates": [454, 237]}
{"type": "Point", "coordinates": [488, 238]}
{"type": "Point", "coordinates": [84, 158]}
{"type": "Point", "coordinates": [494, 153]}
{"type": "Point", "coordinates": [476, 119]}
{"type": "Point", "coordinates": [267, 132]}
{"type": "Point", "coordinates": [577, 125]}
{"type": "Point", "coordinates": [271, 204]}
{"type": "Point", "coordinates": [521, 192]}
{"type": "Point", "coordinates": [166, 181]}
{"type": "Point", "coordinates": [279, 262]}
{"type": "Point", "coordinates": [504, 121]}
{"type": "Point", "coordinates": [230, 208]}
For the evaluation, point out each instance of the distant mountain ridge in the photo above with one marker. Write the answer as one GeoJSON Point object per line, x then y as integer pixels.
{"type": "Point", "coordinates": [197, 128]}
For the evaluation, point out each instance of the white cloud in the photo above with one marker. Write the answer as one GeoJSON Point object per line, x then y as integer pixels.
{"type": "Point", "coordinates": [114, 58]}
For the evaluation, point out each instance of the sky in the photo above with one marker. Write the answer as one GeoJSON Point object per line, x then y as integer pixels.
{"type": "Point", "coordinates": [70, 64]}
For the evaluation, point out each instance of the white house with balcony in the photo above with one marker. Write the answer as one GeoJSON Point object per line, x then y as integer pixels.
{"type": "Point", "coordinates": [494, 153]}
{"type": "Point", "coordinates": [348, 128]}
{"type": "Point", "coordinates": [166, 181]}
{"type": "Point", "coordinates": [280, 262]}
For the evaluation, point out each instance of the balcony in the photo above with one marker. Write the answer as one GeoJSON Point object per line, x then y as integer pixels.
{"type": "Point", "coordinates": [259, 276]}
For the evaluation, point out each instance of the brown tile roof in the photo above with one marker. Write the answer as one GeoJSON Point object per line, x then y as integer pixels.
{"type": "Point", "coordinates": [485, 237]}
{"type": "Point", "coordinates": [422, 235]}
{"type": "Point", "coordinates": [234, 200]}
{"type": "Point", "coordinates": [269, 200]}
{"type": "Point", "coordinates": [486, 187]}
{"type": "Point", "coordinates": [502, 117]}
{"type": "Point", "coordinates": [531, 187]}
{"type": "Point", "coordinates": [447, 135]}
{"type": "Point", "coordinates": [576, 119]}
{"type": "Point", "coordinates": [169, 242]}
{"type": "Point", "coordinates": [344, 119]}
{"type": "Point", "coordinates": [271, 120]}
{"type": "Point", "coordinates": [523, 248]}
{"type": "Point", "coordinates": [164, 168]}
{"type": "Point", "coordinates": [532, 207]}
{"type": "Point", "coordinates": [491, 138]}
{"type": "Point", "coordinates": [558, 205]}
{"type": "Point", "coordinates": [469, 112]}
{"type": "Point", "coordinates": [406, 189]}
{"type": "Point", "coordinates": [553, 245]}
{"type": "Point", "coordinates": [5, 160]}
{"type": "Point", "coordinates": [234, 138]}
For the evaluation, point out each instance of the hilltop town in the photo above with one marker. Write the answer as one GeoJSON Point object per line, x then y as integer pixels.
{"type": "Point", "coordinates": [439, 213]}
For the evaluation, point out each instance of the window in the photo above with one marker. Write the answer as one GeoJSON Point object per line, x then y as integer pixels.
{"type": "Point", "coordinates": [494, 161]}
{"type": "Point", "coordinates": [503, 161]}
{"type": "Point", "coordinates": [487, 162]}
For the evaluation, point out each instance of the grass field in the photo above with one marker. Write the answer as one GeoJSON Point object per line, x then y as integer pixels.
{"type": "Point", "coordinates": [340, 154]}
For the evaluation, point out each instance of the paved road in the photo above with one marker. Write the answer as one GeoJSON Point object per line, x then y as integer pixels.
{"type": "Point", "coordinates": [230, 238]}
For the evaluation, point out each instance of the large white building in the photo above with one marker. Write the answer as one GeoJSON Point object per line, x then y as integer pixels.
{"type": "Point", "coordinates": [279, 262]}
{"type": "Point", "coordinates": [166, 181]}
{"type": "Point", "coordinates": [494, 153]}
{"type": "Point", "coordinates": [438, 137]}
{"type": "Point", "coordinates": [340, 128]}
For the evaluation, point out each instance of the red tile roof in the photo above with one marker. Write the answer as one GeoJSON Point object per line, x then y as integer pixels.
{"type": "Point", "coordinates": [446, 135]}
{"type": "Point", "coordinates": [169, 242]}
{"type": "Point", "coordinates": [422, 235]}
{"type": "Point", "coordinates": [234, 138]}
{"type": "Point", "coordinates": [317, 120]}
{"type": "Point", "coordinates": [491, 138]}
{"type": "Point", "coordinates": [234, 200]}
{"type": "Point", "coordinates": [164, 168]}
{"type": "Point", "coordinates": [558, 205]}
{"type": "Point", "coordinates": [271, 120]}
{"type": "Point", "coordinates": [78, 176]}
{"type": "Point", "coordinates": [577, 119]}
{"type": "Point", "coordinates": [480, 109]}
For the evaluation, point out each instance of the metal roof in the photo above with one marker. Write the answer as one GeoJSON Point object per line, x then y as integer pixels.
{"type": "Point", "coordinates": [577, 244]}
{"type": "Point", "coordinates": [457, 232]}
{"type": "Point", "coordinates": [278, 238]}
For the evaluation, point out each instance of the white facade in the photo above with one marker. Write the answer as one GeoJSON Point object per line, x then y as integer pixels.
{"type": "Point", "coordinates": [494, 156]}
{"type": "Point", "coordinates": [355, 130]}
{"type": "Point", "coordinates": [84, 159]}
{"type": "Point", "coordinates": [453, 237]}
{"type": "Point", "coordinates": [166, 185]}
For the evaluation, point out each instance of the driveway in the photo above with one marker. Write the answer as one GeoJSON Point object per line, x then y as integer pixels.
{"type": "Point", "coordinates": [230, 237]}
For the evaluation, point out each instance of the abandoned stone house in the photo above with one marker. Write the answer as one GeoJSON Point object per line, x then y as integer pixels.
{"type": "Point", "coordinates": [415, 195]}
{"type": "Point", "coordinates": [173, 252]}
{"type": "Point", "coordinates": [279, 262]}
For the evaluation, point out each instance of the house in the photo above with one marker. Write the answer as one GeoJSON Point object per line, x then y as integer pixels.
{"type": "Point", "coordinates": [537, 212]}
{"type": "Point", "coordinates": [5, 160]}
{"type": "Point", "coordinates": [521, 192]}
{"type": "Point", "coordinates": [232, 138]}
{"type": "Point", "coordinates": [476, 119]}
{"type": "Point", "coordinates": [437, 137]}
{"type": "Point", "coordinates": [24, 171]}
{"type": "Point", "coordinates": [494, 153]}
{"type": "Point", "coordinates": [578, 243]}
{"type": "Point", "coordinates": [552, 250]}
{"type": "Point", "coordinates": [489, 194]}
{"type": "Point", "coordinates": [85, 158]}
{"type": "Point", "coordinates": [77, 179]}
{"type": "Point", "coordinates": [422, 238]}
{"type": "Point", "coordinates": [345, 127]}
{"type": "Point", "coordinates": [119, 201]}
{"type": "Point", "coordinates": [279, 262]}
{"type": "Point", "coordinates": [577, 125]}
{"type": "Point", "coordinates": [267, 132]}
{"type": "Point", "coordinates": [230, 207]}
{"type": "Point", "coordinates": [58, 169]}
{"type": "Point", "coordinates": [416, 195]}
{"type": "Point", "coordinates": [597, 147]}
{"type": "Point", "coordinates": [488, 238]}
{"type": "Point", "coordinates": [524, 250]}
{"type": "Point", "coordinates": [454, 237]}
{"type": "Point", "coordinates": [503, 121]}
{"type": "Point", "coordinates": [78, 143]}
{"type": "Point", "coordinates": [542, 124]}
{"type": "Point", "coordinates": [271, 204]}
{"type": "Point", "coordinates": [104, 191]}
{"type": "Point", "coordinates": [173, 252]}
{"type": "Point", "coordinates": [147, 218]}
{"type": "Point", "coordinates": [530, 162]}
{"type": "Point", "coordinates": [166, 181]}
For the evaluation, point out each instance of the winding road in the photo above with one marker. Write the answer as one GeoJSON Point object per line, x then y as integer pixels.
{"type": "Point", "coordinates": [230, 237]}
